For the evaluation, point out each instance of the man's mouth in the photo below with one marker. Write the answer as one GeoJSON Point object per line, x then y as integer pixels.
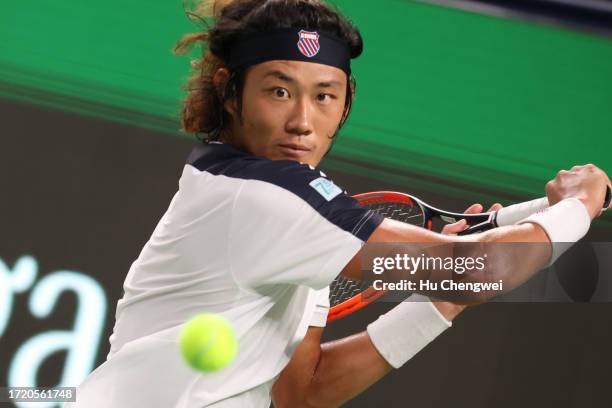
{"type": "Point", "coordinates": [294, 150]}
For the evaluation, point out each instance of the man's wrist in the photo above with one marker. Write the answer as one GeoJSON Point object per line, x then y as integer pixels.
{"type": "Point", "coordinates": [564, 223]}
{"type": "Point", "coordinates": [403, 331]}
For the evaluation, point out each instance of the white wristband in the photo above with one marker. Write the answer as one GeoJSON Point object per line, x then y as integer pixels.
{"type": "Point", "coordinates": [565, 223]}
{"type": "Point", "coordinates": [406, 329]}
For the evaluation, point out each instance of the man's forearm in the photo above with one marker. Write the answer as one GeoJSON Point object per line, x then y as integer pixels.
{"type": "Point", "coordinates": [516, 253]}
{"type": "Point", "coordinates": [513, 255]}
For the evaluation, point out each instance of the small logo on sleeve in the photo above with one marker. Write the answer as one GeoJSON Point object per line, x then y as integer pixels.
{"type": "Point", "coordinates": [326, 188]}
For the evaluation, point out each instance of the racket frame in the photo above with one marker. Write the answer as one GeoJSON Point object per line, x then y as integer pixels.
{"type": "Point", "coordinates": [429, 212]}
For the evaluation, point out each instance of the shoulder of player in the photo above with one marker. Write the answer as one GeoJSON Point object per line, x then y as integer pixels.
{"type": "Point", "coordinates": [287, 183]}
{"type": "Point", "coordinates": [303, 180]}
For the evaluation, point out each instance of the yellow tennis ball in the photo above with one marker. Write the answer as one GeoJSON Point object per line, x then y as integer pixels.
{"type": "Point", "coordinates": [208, 342]}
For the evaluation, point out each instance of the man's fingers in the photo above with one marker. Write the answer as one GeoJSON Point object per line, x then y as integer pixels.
{"type": "Point", "coordinates": [474, 209]}
{"type": "Point", "coordinates": [457, 227]}
{"type": "Point", "coordinates": [495, 207]}
{"type": "Point", "coordinates": [477, 208]}
{"type": "Point", "coordinates": [454, 228]}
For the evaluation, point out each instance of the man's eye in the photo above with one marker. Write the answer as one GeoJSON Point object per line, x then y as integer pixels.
{"type": "Point", "coordinates": [281, 93]}
{"type": "Point", "coordinates": [325, 98]}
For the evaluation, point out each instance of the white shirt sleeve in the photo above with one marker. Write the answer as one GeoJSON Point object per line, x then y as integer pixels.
{"type": "Point", "coordinates": [300, 237]}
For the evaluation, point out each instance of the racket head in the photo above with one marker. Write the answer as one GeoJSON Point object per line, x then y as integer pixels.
{"type": "Point", "coordinates": [347, 296]}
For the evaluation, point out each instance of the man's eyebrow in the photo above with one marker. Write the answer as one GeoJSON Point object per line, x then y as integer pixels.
{"type": "Point", "coordinates": [280, 75]}
{"type": "Point", "coordinates": [328, 84]}
{"type": "Point", "coordinates": [284, 77]}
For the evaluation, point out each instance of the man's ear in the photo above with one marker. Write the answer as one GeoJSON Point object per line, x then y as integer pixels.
{"type": "Point", "coordinates": [220, 79]}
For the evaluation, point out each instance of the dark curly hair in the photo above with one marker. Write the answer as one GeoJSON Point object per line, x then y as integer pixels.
{"type": "Point", "coordinates": [203, 110]}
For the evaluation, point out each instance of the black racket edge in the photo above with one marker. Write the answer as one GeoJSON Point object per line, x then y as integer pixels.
{"type": "Point", "coordinates": [431, 212]}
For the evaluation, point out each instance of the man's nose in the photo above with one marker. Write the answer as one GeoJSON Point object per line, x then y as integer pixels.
{"type": "Point", "coordinates": [300, 119]}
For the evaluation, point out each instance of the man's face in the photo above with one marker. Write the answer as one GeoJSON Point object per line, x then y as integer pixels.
{"type": "Point", "coordinates": [290, 110]}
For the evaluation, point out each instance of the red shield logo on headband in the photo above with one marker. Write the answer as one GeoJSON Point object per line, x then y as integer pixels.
{"type": "Point", "coordinates": [309, 43]}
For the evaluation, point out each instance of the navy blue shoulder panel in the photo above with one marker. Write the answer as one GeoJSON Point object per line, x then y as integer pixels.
{"type": "Point", "coordinates": [308, 183]}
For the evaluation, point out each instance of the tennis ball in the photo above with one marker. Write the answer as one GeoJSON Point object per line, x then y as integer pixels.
{"type": "Point", "coordinates": [208, 342]}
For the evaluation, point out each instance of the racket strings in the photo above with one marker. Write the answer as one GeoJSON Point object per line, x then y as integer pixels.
{"type": "Point", "coordinates": [342, 289]}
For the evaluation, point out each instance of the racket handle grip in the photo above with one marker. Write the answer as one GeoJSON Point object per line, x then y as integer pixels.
{"type": "Point", "coordinates": [514, 213]}
{"type": "Point", "coordinates": [508, 215]}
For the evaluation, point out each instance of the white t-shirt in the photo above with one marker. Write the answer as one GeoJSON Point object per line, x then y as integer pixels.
{"type": "Point", "coordinates": [254, 240]}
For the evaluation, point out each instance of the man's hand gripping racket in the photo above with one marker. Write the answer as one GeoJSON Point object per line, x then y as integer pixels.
{"type": "Point", "coordinates": [347, 296]}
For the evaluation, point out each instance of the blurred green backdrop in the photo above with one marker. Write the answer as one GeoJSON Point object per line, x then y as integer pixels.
{"type": "Point", "coordinates": [460, 103]}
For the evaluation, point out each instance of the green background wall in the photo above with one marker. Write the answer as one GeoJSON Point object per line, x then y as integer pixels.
{"type": "Point", "coordinates": [480, 105]}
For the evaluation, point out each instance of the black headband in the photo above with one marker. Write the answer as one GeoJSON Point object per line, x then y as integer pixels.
{"type": "Point", "coordinates": [293, 45]}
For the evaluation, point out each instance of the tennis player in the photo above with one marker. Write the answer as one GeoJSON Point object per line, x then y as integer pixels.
{"type": "Point", "coordinates": [256, 232]}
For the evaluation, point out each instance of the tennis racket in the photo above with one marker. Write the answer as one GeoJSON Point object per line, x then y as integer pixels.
{"type": "Point", "coordinates": [347, 296]}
